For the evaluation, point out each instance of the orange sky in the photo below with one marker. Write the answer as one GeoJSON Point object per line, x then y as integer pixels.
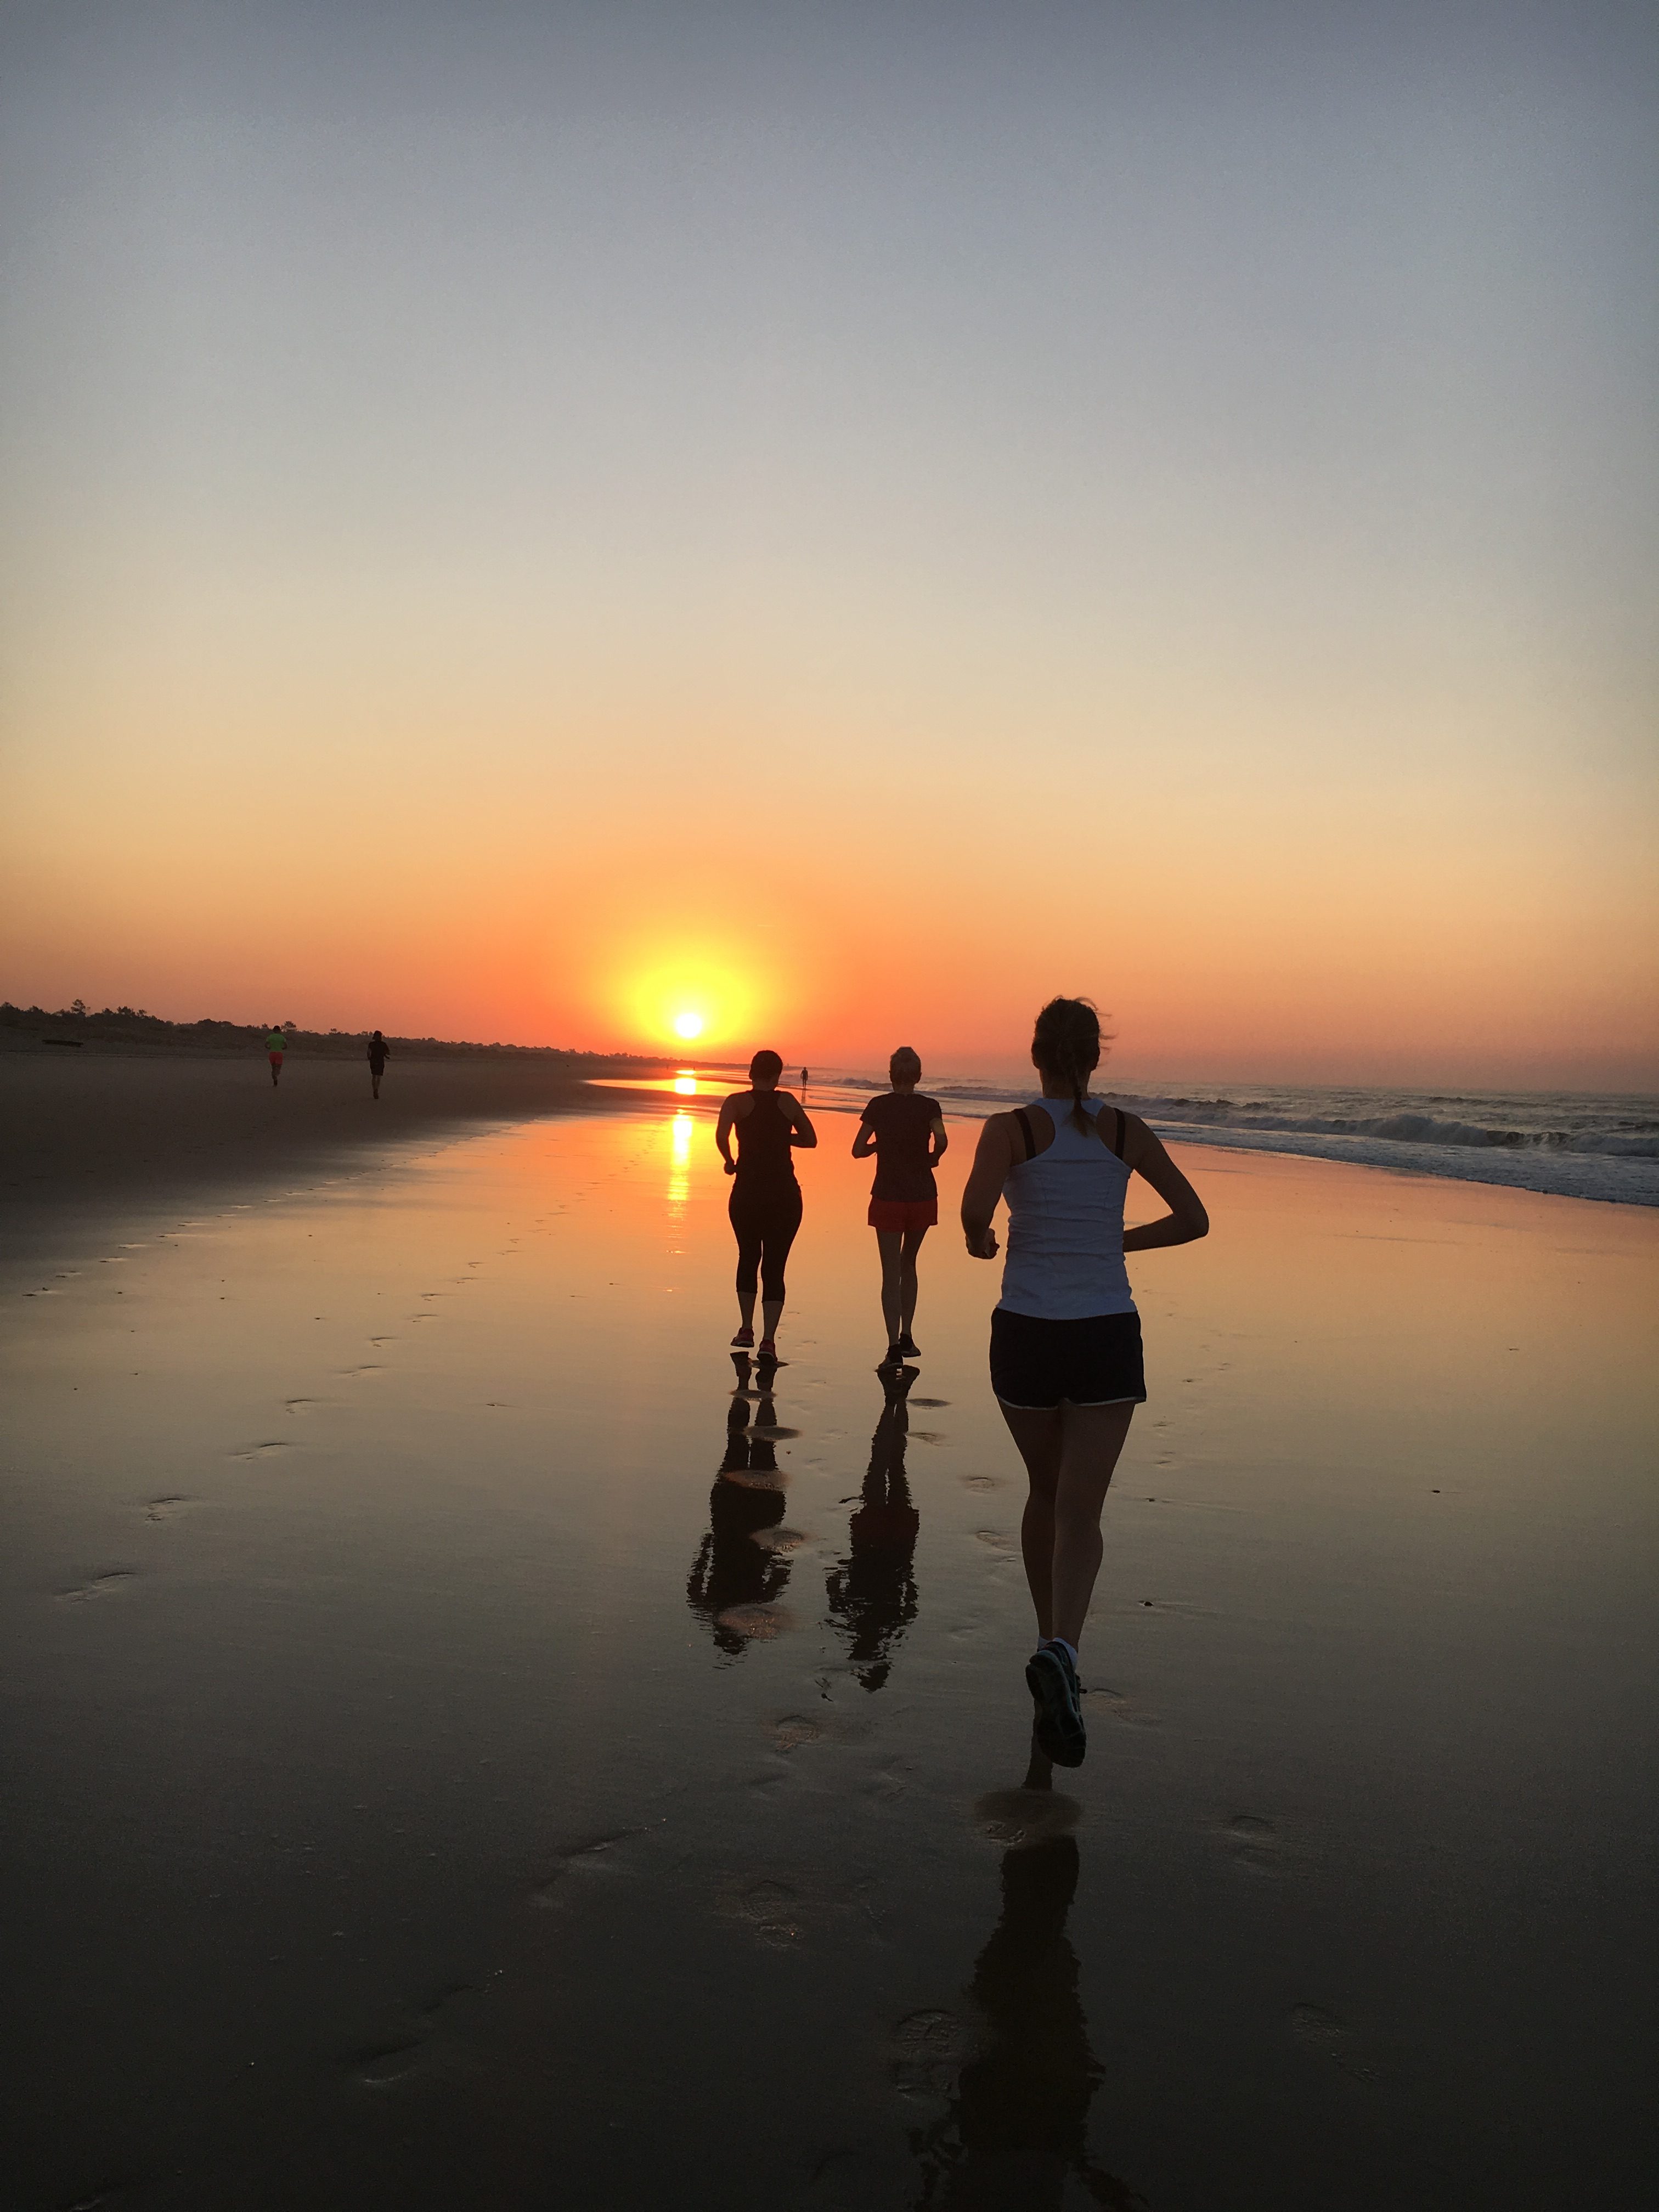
{"type": "Point", "coordinates": [516, 539]}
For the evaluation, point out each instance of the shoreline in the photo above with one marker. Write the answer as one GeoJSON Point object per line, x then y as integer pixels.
{"type": "Point", "coordinates": [83, 1138]}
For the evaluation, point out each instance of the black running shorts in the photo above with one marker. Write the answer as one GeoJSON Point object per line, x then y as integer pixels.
{"type": "Point", "coordinates": [1037, 1364]}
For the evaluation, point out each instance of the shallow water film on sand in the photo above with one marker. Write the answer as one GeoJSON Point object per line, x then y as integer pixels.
{"type": "Point", "coordinates": [473, 1742]}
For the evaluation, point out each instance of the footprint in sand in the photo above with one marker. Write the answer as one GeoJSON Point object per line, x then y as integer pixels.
{"type": "Point", "coordinates": [793, 1730]}
{"type": "Point", "coordinates": [599, 1854]}
{"type": "Point", "coordinates": [778, 1540]}
{"type": "Point", "coordinates": [163, 1508]}
{"type": "Point", "coordinates": [302, 1405]}
{"type": "Point", "coordinates": [760, 1623]}
{"type": "Point", "coordinates": [100, 1585]}
{"type": "Point", "coordinates": [266, 1450]}
{"type": "Point", "coordinates": [1255, 1843]}
{"type": "Point", "coordinates": [773, 1912]}
{"type": "Point", "coordinates": [1322, 2035]}
{"type": "Point", "coordinates": [1013, 1819]}
{"type": "Point", "coordinates": [982, 1481]}
{"type": "Point", "coordinates": [929, 1401]}
{"type": "Point", "coordinates": [929, 2051]}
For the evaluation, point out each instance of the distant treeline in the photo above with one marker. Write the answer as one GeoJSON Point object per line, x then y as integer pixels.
{"type": "Point", "coordinates": [130, 1025]}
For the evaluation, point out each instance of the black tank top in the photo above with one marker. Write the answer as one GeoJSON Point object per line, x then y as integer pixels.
{"type": "Point", "coordinates": [764, 1158]}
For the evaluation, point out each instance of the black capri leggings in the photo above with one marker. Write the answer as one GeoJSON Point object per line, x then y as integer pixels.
{"type": "Point", "coordinates": [764, 1223]}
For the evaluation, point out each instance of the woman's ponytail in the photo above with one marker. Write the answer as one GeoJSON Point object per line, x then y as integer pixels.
{"type": "Point", "coordinates": [1066, 1043]}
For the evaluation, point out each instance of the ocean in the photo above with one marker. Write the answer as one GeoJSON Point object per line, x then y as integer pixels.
{"type": "Point", "coordinates": [1571, 1144]}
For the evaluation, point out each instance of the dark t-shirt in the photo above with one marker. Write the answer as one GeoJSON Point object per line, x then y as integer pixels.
{"type": "Point", "coordinates": [379, 1053]}
{"type": "Point", "coordinates": [901, 1121]}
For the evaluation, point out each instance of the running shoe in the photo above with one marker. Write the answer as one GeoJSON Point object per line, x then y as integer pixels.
{"type": "Point", "coordinates": [766, 1349]}
{"type": "Point", "coordinates": [893, 1356]}
{"type": "Point", "coordinates": [743, 1340]}
{"type": "Point", "coordinates": [907, 1346]}
{"type": "Point", "coordinates": [1051, 1680]}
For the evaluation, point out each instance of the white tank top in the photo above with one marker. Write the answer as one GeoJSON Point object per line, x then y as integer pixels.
{"type": "Point", "coordinates": [1065, 1259]}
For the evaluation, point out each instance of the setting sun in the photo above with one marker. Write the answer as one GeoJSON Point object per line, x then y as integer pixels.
{"type": "Point", "coordinates": [688, 1024]}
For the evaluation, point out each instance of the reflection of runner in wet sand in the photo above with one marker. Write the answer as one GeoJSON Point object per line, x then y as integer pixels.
{"type": "Point", "coordinates": [734, 1573]}
{"type": "Point", "coordinates": [906, 1132]}
{"type": "Point", "coordinates": [1016, 2132]}
{"type": "Point", "coordinates": [873, 1593]}
{"type": "Point", "coordinates": [275, 1046]}
{"type": "Point", "coordinates": [379, 1052]}
{"type": "Point", "coordinates": [765, 1207]}
{"type": "Point", "coordinates": [1066, 1360]}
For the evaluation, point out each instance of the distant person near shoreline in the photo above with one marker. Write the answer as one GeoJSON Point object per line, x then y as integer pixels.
{"type": "Point", "coordinates": [1065, 1356]}
{"type": "Point", "coordinates": [905, 1130]}
{"type": "Point", "coordinates": [275, 1046]}
{"type": "Point", "coordinates": [379, 1052]}
{"type": "Point", "coordinates": [766, 1206]}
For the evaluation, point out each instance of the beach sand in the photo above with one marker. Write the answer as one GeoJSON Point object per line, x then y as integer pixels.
{"type": "Point", "coordinates": [435, 1782]}
{"type": "Point", "coordinates": [85, 1134]}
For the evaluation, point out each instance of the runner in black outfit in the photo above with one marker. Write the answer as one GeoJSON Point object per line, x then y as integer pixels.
{"type": "Point", "coordinates": [379, 1052]}
{"type": "Point", "coordinates": [765, 1207]}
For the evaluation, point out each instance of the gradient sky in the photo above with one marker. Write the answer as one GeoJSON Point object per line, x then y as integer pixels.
{"type": "Point", "coordinates": [517, 518]}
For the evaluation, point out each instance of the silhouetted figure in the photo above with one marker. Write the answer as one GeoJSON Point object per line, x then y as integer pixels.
{"type": "Point", "coordinates": [275, 1046]}
{"type": "Point", "coordinates": [731, 1572]}
{"type": "Point", "coordinates": [906, 1132]}
{"type": "Point", "coordinates": [1016, 2132]}
{"type": "Point", "coordinates": [1065, 1357]}
{"type": "Point", "coordinates": [765, 1208]}
{"type": "Point", "coordinates": [379, 1052]}
{"type": "Point", "coordinates": [872, 1592]}
{"type": "Point", "coordinates": [804, 1079]}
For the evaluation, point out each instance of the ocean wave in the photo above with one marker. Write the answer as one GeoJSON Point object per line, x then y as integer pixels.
{"type": "Point", "coordinates": [1627, 1139]}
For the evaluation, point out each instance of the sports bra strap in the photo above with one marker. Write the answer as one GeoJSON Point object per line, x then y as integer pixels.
{"type": "Point", "coordinates": [1024, 1121]}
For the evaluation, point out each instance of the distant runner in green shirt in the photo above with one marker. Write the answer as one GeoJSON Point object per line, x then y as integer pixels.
{"type": "Point", "coordinates": [275, 1045]}
{"type": "Point", "coordinates": [379, 1052]}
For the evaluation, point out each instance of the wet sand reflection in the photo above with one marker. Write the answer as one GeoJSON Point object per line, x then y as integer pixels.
{"type": "Point", "coordinates": [738, 1576]}
{"type": "Point", "coordinates": [1014, 2133]}
{"type": "Point", "coordinates": [872, 1592]}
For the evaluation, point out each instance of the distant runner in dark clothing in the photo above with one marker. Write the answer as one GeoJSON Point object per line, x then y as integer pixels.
{"type": "Point", "coordinates": [905, 1130]}
{"type": "Point", "coordinates": [379, 1052]}
{"type": "Point", "coordinates": [765, 1207]}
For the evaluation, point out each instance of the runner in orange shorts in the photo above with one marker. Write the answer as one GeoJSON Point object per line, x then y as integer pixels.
{"type": "Point", "coordinates": [905, 1130]}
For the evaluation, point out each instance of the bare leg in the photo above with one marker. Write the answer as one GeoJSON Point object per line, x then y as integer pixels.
{"type": "Point", "coordinates": [889, 1243]}
{"type": "Point", "coordinates": [1070, 1455]}
{"type": "Point", "coordinates": [908, 1277]}
{"type": "Point", "coordinates": [746, 1308]}
{"type": "Point", "coordinates": [1037, 1433]}
{"type": "Point", "coordinates": [1093, 1438]}
{"type": "Point", "coordinates": [771, 1314]}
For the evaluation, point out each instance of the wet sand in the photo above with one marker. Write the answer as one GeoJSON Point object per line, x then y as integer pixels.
{"type": "Point", "coordinates": [83, 1134]}
{"type": "Point", "coordinates": [462, 1751]}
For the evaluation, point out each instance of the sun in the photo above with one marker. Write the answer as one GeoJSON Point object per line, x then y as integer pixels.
{"type": "Point", "coordinates": [688, 1024]}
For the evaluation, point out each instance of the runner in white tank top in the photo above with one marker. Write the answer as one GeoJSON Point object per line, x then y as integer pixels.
{"type": "Point", "coordinates": [1066, 1362]}
{"type": "Point", "coordinates": [1066, 1221]}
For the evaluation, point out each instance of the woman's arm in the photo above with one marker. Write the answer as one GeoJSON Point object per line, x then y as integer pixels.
{"type": "Point", "coordinates": [723, 1130]}
{"type": "Point", "coordinates": [1186, 1221]}
{"type": "Point", "coordinates": [801, 1130]}
{"type": "Point", "coordinates": [992, 1161]}
{"type": "Point", "coordinates": [941, 1142]}
{"type": "Point", "coordinates": [864, 1142]}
